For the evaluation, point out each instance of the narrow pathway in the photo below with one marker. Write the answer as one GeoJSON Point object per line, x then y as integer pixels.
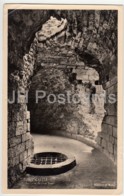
{"type": "Point", "coordinates": [93, 169]}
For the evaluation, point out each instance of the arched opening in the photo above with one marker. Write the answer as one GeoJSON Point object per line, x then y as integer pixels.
{"type": "Point", "coordinates": [64, 104]}
{"type": "Point", "coordinates": [66, 83]}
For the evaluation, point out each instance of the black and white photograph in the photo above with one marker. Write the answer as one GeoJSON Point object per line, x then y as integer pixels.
{"type": "Point", "coordinates": [62, 98]}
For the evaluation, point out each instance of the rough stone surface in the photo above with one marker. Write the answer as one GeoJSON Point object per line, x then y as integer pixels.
{"type": "Point", "coordinates": [18, 135]}
{"type": "Point", "coordinates": [69, 115]}
{"type": "Point", "coordinates": [109, 125]}
{"type": "Point", "coordinates": [91, 40]}
{"type": "Point", "coordinates": [87, 39]}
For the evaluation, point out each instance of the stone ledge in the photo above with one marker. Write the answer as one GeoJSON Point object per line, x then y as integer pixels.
{"type": "Point", "coordinates": [78, 137]}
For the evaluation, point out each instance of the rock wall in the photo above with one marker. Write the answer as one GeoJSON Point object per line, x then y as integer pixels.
{"type": "Point", "coordinates": [22, 26]}
{"type": "Point", "coordinates": [73, 112]}
{"type": "Point", "coordinates": [93, 32]}
{"type": "Point", "coordinates": [107, 138]}
{"type": "Point", "coordinates": [20, 141]}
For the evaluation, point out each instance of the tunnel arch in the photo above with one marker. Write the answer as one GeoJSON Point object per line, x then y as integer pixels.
{"type": "Point", "coordinates": [54, 37]}
{"type": "Point", "coordinates": [43, 40]}
{"type": "Point", "coordinates": [56, 32]}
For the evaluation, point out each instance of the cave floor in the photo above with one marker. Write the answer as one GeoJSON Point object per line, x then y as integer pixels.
{"type": "Point", "coordinates": [93, 170]}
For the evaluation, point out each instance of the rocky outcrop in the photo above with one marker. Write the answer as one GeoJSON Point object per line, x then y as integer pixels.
{"type": "Point", "coordinates": [94, 38]}
{"type": "Point", "coordinates": [72, 112]}
{"type": "Point", "coordinates": [51, 28]}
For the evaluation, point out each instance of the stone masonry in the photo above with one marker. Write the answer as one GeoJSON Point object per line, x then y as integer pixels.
{"type": "Point", "coordinates": [20, 142]}
{"type": "Point", "coordinates": [107, 138]}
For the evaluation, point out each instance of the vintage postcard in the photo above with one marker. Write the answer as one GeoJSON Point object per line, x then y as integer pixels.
{"type": "Point", "coordinates": [62, 99]}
